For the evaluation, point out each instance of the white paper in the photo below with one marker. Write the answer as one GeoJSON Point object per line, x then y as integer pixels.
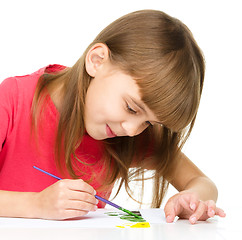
{"type": "Point", "coordinates": [97, 219]}
{"type": "Point", "coordinates": [154, 215]}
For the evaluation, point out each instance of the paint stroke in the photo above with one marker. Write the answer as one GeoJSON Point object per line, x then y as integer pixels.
{"type": "Point", "coordinates": [126, 217]}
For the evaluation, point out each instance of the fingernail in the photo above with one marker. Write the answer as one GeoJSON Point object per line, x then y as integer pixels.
{"type": "Point", "coordinates": [193, 206]}
{"type": "Point", "coordinates": [193, 220]}
{"type": "Point", "coordinates": [223, 214]}
{"type": "Point", "coordinates": [212, 212]}
{"type": "Point", "coordinates": [95, 192]}
{"type": "Point", "coordinates": [95, 208]}
{"type": "Point", "coordinates": [169, 219]}
{"type": "Point", "coordinates": [97, 201]}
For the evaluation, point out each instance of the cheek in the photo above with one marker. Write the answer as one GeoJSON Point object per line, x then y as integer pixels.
{"type": "Point", "coordinates": [113, 111]}
{"type": "Point", "coordinates": [104, 106]}
{"type": "Point", "coordinates": [99, 111]}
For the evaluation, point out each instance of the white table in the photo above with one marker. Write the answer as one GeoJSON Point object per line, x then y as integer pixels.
{"type": "Point", "coordinates": [215, 228]}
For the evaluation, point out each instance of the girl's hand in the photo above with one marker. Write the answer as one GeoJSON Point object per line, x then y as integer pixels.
{"type": "Point", "coordinates": [66, 199]}
{"type": "Point", "coordinates": [186, 205]}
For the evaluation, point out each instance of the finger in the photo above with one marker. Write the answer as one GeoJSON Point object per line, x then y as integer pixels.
{"type": "Point", "coordinates": [80, 206]}
{"type": "Point", "coordinates": [82, 196]}
{"type": "Point", "coordinates": [194, 202]}
{"type": "Point", "coordinates": [188, 203]}
{"type": "Point", "coordinates": [80, 185]}
{"type": "Point", "coordinates": [170, 211]}
{"type": "Point", "coordinates": [184, 202]}
{"type": "Point", "coordinates": [220, 212]}
{"type": "Point", "coordinates": [211, 208]}
{"type": "Point", "coordinates": [201, 208]}
{"type": "Point", "coordinates": [70, 213]}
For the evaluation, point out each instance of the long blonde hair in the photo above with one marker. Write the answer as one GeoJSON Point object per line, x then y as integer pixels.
{"type": "Point", "coordinates": [160, 53]}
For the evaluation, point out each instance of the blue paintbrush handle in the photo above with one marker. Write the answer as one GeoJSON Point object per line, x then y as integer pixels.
{"type": "Point", "coordinates": [108, 202]}
{"type": "Point", "coordinates": [43, 171]}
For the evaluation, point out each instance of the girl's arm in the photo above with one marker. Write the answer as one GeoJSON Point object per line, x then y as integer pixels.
{"type": "Point", "coordinates": [17, 204]}
{"type": "Point", "coordinates": [189, 177]}
{"type": "Point", "coordinates": [62, 200]}
{"type": "Point", "coordinates": [197, 194]}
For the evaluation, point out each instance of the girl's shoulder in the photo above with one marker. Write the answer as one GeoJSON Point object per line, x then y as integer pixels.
{"type": "Point", "coordinates": [28, 81]}
{"type": "Point", "coordinates": [54, 68]}
{"type": "Point", "coordinates": [21, 88]}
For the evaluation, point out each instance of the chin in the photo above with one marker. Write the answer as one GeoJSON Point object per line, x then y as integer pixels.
{"type": "Point", "coordinates": [98, 138]}
{"type": "Point", "coordinates": [94, 135]}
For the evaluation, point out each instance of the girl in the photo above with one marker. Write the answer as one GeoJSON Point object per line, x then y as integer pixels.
{"type": "Point", "coordinates": [127, 106]}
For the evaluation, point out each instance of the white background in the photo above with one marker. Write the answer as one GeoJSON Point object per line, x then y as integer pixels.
{"type": "Point", "coordinates": [34, 34]}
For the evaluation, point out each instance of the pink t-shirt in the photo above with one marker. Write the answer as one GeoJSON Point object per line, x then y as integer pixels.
{"type": "Point", "coordinates": [18, 150]}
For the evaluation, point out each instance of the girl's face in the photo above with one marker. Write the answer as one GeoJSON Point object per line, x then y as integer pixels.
{"type": "Point", "coordinates": [113, 105]}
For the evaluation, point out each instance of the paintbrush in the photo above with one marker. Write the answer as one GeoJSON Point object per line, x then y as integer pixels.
{"type": "Point", "coordinates": [96, 196]}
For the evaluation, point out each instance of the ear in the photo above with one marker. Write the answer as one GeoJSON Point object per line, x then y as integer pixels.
{"type": "Point", "coordinates": [96, 56]}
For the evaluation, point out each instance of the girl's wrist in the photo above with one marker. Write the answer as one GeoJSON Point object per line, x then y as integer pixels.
{"type": "Point", "coordinates": [28, 206]}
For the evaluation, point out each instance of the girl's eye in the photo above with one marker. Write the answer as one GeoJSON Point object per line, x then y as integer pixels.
{"type": "Point", "coordinates": [130, 109]}
{"type": "Point", "coordinates": [148, 123]}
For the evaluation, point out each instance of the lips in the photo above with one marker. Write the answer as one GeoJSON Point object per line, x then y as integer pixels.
{"type": "Point", "coordinates": [109, 132]}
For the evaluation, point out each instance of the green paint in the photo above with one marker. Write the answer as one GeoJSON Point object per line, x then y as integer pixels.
{"type": "Point", "coordinates": [112, 214]}
{"type": "Point", "coordinates": [130, 213]}
{"type": "Point", "coordinates": [137, 213]}
{"type": "Point", "coordinates": [127, 217]}
{"type": "Point", "coordinates": [132, 219]}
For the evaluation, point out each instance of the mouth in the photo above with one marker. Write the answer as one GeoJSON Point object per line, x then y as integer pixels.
{"type": "Point", "coordinates": [109, 132]}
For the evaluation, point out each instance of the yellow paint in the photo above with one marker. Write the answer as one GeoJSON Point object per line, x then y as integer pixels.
{"type": "Point", "coordinates": [136, 225]}
{"type": "Point", "coordinates": [141, 225]}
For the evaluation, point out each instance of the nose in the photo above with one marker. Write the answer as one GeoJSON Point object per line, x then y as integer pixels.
{"type": "Point", "coordinates": [132, 128]}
